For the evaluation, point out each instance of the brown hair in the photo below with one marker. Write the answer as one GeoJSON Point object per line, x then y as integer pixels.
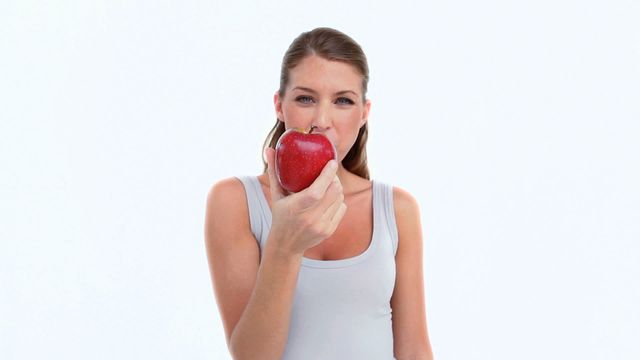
{"type": "Point", "coordinates": [331, 45]}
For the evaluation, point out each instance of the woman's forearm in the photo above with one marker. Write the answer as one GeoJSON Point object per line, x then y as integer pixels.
{"type": "Point", "coordinates": [261, 332]}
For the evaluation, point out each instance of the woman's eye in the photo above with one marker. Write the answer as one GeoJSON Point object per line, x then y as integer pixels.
{"type": "Point", "coordinates": [348, 101]}
{"type": "Point", "coordinates": [300, 98]}
{"type": "Point", "coordinates": [342, 100]}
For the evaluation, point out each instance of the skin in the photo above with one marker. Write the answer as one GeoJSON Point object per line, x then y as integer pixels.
{"type": "Point", "coordinates": [254, 297]}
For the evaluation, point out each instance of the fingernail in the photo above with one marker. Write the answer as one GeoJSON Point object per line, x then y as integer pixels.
{"type": "Point", "coordinates": [333, 164]}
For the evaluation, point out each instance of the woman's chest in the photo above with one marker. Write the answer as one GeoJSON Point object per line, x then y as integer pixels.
{"type": "Point", "coordinates": [354, 233]}
{"type": "Point", "coordinates": [352, 236]}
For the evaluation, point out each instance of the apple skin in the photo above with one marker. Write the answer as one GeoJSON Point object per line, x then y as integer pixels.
{"type": "Point", "coordinates": [300, 158]}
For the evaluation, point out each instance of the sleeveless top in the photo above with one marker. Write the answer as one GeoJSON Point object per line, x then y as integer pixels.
{"type": "Point", "coordinates": [341, 308]}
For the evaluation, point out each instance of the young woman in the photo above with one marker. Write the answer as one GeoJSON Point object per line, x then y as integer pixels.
{"type": "Point", "coordinates": [333, 271]}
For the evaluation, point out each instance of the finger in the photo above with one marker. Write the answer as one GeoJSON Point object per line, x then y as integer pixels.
{"type": "Point", "coordinates": [334, 192]}
{"type": "Point", "coordinates": [337, 217]}
{"type": "Point", "coordinates": [277, 192]}
{"type": "Point", "coordinates": [315, 192]}
{"type": "Point", "coordinates": [331, 208]}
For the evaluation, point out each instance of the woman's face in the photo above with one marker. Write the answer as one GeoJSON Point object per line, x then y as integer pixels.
{"type": "Point", "coordinates": [327, 94]}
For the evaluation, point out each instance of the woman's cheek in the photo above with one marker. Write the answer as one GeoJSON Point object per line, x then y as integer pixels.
{"type": "Point", "coordinates": [298, 117]}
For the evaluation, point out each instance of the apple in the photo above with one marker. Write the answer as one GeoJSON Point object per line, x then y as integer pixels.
{"type": "Point", "coordinates": [301, 156]}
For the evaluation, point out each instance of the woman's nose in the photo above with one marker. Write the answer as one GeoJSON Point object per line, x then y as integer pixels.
{"type": "Point", "coordinates": [322, 119]}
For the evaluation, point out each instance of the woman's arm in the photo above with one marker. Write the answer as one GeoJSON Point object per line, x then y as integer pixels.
{"type": "Point", "coordinates": [410, 336]}
{"type": "Point", "coordinates": [254, 298]}
{"type": "Point", "coordinates": [255, 295]}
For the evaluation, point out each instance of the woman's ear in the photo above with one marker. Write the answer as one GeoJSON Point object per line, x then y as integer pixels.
{"type": "Point", "coordinates": [365, 113]}
{"type": "Point", "coordinates": [278, 106]}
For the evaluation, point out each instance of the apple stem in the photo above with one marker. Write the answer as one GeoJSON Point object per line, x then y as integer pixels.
{"type": "Point", "coordinates": [313, 127]}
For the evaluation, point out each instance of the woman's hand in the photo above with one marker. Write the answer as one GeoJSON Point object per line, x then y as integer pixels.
{"type": "Point", "coordinates": [306, 218]}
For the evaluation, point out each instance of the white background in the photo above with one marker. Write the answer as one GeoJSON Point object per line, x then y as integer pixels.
{"type": "Point", "coordinates": [515, 124]}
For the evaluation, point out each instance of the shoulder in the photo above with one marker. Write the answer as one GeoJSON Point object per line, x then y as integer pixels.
{"type": "Point", "coordinates": [225, 200]}
{"type": "Point", "coordinates": [404, 202]}
{"type": "Point", "coordinates": [225, 188]}
{"type": "Point", "coordinates": [407, 216]}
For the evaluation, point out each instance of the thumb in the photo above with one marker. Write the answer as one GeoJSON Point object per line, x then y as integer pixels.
{"type": "Point", "coordinates": [277, 192]}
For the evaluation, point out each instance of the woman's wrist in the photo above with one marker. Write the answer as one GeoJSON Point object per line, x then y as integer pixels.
{"type": "Point", "coordinates": [274, 251]}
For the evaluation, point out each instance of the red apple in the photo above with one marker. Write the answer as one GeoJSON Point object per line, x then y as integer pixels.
{"type": "Point", "coordinates": [300, 157]}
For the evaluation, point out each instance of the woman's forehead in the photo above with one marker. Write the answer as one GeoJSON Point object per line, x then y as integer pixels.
{"type": "Point", "coordinates": [320, 75]}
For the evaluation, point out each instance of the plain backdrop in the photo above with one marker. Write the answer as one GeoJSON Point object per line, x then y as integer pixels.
{"type": "Point", "coordinates": [515, 124]}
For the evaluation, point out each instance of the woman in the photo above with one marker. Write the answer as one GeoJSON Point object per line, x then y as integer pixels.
{"type": "Point", "coordinates": [335, 270]}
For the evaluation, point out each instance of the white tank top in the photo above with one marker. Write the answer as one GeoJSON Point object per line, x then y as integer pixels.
{"type": "Point", "coordinates": [341, 308]}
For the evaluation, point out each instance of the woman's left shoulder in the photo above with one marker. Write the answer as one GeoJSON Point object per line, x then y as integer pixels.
{"type": "Point", "coordinates": [403, 201]}
{"type": "Point", "coordinates": [407, 216]}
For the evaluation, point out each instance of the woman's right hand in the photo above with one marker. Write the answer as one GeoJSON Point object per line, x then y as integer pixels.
{"type": "Point", "coordinates": [306, 218]}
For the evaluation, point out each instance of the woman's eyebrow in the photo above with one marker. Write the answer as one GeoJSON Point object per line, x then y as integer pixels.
{"type": "Point", "coordinates": [315, 92]}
